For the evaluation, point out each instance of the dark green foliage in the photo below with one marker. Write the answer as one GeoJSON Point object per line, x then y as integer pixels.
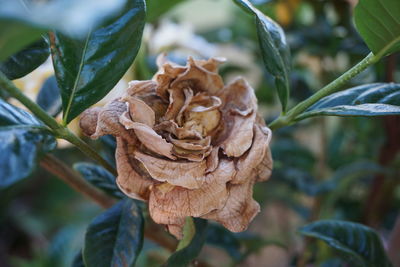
{"type": "Point", "coordinates": [23, 139]}
{"type": "Point", "coordinates": [156, 8]}
{"type": "Point", "coordinates": [115, 237]}
{"type": "Point", "coordinates": [25, 61]}
{"type": "Point", "coordinates": [88, 69]}
{"type": "Point", "coordinates": [99, 177]}
{"type": "Point", "coordinates": [355, 242]}
{"type": "Point", "coordinates": [219, 236]}
{"type": "Point", "coordinates": [378, 99]}
{"type": "Point", "coordinates": [379, 25]}
{"type": "Point", "coordinates": [49, 97]}
{"type": "Point", "coordinates": [182, 257]}
{"type": "Point", "coordinates": [274, 49]}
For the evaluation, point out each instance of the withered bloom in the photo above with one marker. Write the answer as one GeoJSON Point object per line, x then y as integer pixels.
{"type": "Point", "coordinates": [188, 144]}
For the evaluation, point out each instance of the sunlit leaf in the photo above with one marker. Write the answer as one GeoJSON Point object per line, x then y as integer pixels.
{"type": "Point", "coordinates": [355, 242]}
{"type": "Point", "coordinates": [378, 99]}
{"type": "Point", "coordinates": [99, 177]}
{"type": "Point", "coordinates": [378, 22]}
{"type": "Point", "coordinates": [274, 49]}
{"type": "Point", "coordinates": [25, 61]}
{"type": "Point", "coordinates": [49, 97]}
{"type": "Point", "coordinates": [115, 237]}
{"type": "Point", "coordinates": [88, 69]}
{"type": "Point", "coordinates": [23, 139]}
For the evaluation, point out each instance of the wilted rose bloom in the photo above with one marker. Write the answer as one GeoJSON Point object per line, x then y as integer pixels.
{"type": "Point", "coordinates": [188, 144]}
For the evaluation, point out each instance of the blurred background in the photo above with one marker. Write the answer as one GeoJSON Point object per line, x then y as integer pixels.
{"type": "Point", "coordinates": [325, 168]}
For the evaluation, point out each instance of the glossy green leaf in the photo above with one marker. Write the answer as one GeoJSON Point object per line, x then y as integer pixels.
{"type": "Point", "coordinates": [115, 237]}
{"type": "Point", "coordinates": [23, 22]}
{"type": "Point", "coordinates": [88, 69]}
{"type": "Point", "coordinates": [23, 139]}
{"type": "Point", "coordinates": [378, 99]}
{"type": "Point", "coordinates": [15, 36]}
{"type": "Point", "coordinates": [189, 248]}
{"type": "Point", "coordinates": [355, 242]}
{"type": "Point", "coordinates": [99, 177]}
{"type": "Point", "coordinates": [25, 61]}
{"type": "Point", "coordinates": [378, 22]}
{"type": "Point", "coordinates": [274, 49]}
{"type": "Point", "coordinates": [78, 260]}
{"type": "Point", "coordinates": [156, 8]}
{"type": "Point", "coordinates": [49, 97]}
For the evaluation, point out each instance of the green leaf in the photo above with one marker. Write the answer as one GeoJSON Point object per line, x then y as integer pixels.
{"type": "Point", "coordinates": [49, 97]}
{"type": "Point", "coordinates": [23, 22]}
{"type": "Point", "coordinates": [191, 244]}
{"type": "Point", "coordinates": [115, 237]}
{"type": "Point", "coordinates": [274, 49]}
{"type": "Point", "coordinates": [23, 139]}
{"type": "Point", "coordinates": [78, 260]}
{"type": "Point", "coordinates": [354, 241]}
{"type": "Point", "coordinates": [16, 35]}
{"type": "Point", "coordinates": [99, 177]}
{"type": "Point", "coordinates": [378, 22]}
{"type": "Point", "coordinates": [156, 8]}
{"type": "Point", "coordinates": [25, 61]}
{"type": "Point", "coordinates": [377, 99]}
{"type": "Point", "coordinates": [87, 70]}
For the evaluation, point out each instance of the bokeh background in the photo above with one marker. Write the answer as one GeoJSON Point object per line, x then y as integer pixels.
{"type": "Point", "coordinates": [325, 168]}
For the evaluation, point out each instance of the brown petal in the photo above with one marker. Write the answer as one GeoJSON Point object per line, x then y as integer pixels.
{"type": "Point", "coordinates": [129, 180]}
{"type": "Point", "coordinates": [191, 144]}
{"type": "Point", "coordinates": [169, 204]}
{"type": "Point", "coordinates": [191, 155]}
{"type": "Point", "coordinates": [180, 132]}
{"type": "Point", "coordinates": [239, 115]}
{"type": "Point", "coordinates": [140, 88]}
{"type": "Point", "coordinates": [211, 64]}
{"type": "Point", "coordinates": [167, 72]}
{"type": "Point", "coordinates": [185, 174]}
{"type": "Point", "coordinates": [149, 138]}
{"type": "Point", "coordinates": [139, 111]}
{"type": "Point", "coordinates": [203, 122]}
{"type": "Point", "coordinates": [205, 103]}
{"type": "Point", "coordinates": [212, 160]}
{"type": "Point", "coordinates": [198, 78]}
{"type": "Point", "coordinates": [188, 98]}
{"type": "Point", "coordinates": [248, 165]}
{"type": "Point", "coordinates": [88, 120]}
{"type": "Point", "coordinates": [239, 210]}
{"type": "Point", "coordinates": [107, 121]}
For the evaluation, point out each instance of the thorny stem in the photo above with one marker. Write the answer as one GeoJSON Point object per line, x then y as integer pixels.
{"type": "Point", "coordinates": [334, 86]}
{"type": "Point", "coordinates": [58, 130]}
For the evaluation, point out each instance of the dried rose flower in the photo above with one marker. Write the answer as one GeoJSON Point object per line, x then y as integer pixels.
{"type": "Point", "coordinates": [188, 144]}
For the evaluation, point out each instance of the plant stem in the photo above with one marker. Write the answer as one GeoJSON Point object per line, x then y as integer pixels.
{"type": "Point", "coordinates": [73, 179]}
{"type": "Point", "coordinates": [59, 130]}
{"type": "Point", "coordinates": [329, 89]}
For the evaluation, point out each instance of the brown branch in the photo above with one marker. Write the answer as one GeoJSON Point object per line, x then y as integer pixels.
{"type": "Point", "coordinates": [394, 244]}
{"type": "Point", "coordinates": [73, 179]}
{"type": "Point", "coordinates": [55, 166]}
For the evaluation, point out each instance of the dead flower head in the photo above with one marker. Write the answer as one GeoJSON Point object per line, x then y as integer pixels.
{"type": "Point", "coordinates": [188, 144]}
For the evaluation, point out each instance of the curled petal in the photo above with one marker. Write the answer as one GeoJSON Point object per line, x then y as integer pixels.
{"type": "Point", "coordinates": [191, 155]}
{"type": "Point", "coordinates": [133, 183]}
{"type": "Point", "coordinates": [248, 165]}
{"type": "Point", "coordinates": [191, 144]}
{"type": "Point", "coordinates": [184, 174]}
{"type": "Point", "coordinates": [205, 103]}
{"type": "Point", "coordinates": [212, 160]}
{"type": "Point", "coordinates": [239, 210]}
{"type": "Point", "coordinates": [169, 204]}
{"type": "Point", "coordinates": [180, 132]}
{"type": "Point", "coordinates": [239, 115]}
{"type": "Point", "coordinates": [141, 88]}
{"type": "Point", "coordinates": [166, 74]}
{"type": "Point", "coordinates": [198, 77]}
{"type": "Point", "coordinates": [148, 137]}
{"type": "Point", "coordinates": [212, 64]}
{"type": "Point", "coordinates": [139, 111]}
{"type": "Point", "coordinates": [108, 121]}
{"type": "Point", "coordinates": [203, 122]}
{"type": "Point", "coordinates": [88, 121]}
